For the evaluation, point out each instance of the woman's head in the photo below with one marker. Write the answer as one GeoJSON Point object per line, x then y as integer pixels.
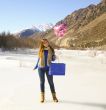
{"type": "Point", "coordinates": [44, 44]}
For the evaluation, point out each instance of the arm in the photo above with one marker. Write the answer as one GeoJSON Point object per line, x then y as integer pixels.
{"type": "Point", "coordinates": [36, 65]}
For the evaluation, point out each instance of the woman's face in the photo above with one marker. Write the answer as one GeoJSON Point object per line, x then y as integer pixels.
{"type": "Point", "coordinates": [45, 43]}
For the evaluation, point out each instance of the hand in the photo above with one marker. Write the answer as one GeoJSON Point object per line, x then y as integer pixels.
{"type": "Point", "coordinates": [53, 57]}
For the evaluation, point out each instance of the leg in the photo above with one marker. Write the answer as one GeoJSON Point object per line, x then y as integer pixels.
{"type": "Point", "coordinates": [42, 79]}
{"type": "Point", "coordinates": [50, 80]}
{"type": "Point", "coordinates": [42, 82]}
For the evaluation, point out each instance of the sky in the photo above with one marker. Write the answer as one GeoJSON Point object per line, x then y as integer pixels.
{"type": "Point", "coordinates": [16, 15]}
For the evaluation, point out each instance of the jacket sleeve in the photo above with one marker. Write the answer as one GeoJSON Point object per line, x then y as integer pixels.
{"type": "Point", "coordinates": [36, 66]}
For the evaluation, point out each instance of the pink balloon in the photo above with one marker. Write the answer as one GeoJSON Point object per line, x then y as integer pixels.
{"type": "Point", "coordinates": [60, 30]}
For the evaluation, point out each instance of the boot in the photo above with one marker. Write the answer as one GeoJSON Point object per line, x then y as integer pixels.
{"type": "Point", "coordinates": [42, 97]}
{"type": "Point", "coordinates": [54, 97]}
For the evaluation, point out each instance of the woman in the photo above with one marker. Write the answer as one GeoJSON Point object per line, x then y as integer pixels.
{"type": "Point", "coordinates": [46, 55]}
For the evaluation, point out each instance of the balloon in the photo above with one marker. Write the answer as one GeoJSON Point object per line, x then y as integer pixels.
{"type": "Point", "coordinates": [60, 30]}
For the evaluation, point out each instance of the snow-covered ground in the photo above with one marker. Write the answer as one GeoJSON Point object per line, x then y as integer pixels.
{"type": "Point", "coordinates": [82, 88]}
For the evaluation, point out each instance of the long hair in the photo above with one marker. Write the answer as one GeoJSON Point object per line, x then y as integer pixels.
{"type": "Point", "coordinates": [41, 48]}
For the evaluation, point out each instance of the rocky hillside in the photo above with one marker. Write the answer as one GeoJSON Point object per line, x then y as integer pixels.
{"type": "Point", "coordinates": [86, 28]}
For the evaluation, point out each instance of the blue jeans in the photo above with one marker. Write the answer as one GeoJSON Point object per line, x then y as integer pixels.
{"type": "Point", "coordinates": [42, 73]}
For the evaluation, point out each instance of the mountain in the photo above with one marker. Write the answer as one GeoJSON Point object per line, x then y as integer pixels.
{"type": "Point", "coordinates": [27, 32]}
{"type": "Point", "coordinates": [34, 30]}
{"type": "Point", "coordinates": [45, 27]}
{"type": "Point", "coordinates": [86, 28]}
